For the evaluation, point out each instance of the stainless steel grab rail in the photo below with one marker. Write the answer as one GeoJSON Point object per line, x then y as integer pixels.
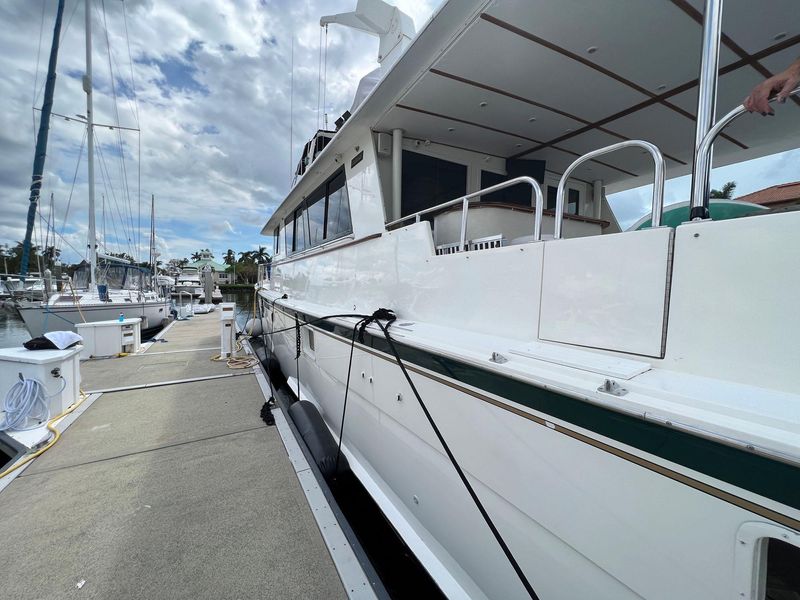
{"type": "Point", "coordinates": [537, 200]}
{"type": "Point", "coordinates": [702, 160]}
{"type": "Point", "coordinates": [658, 180]}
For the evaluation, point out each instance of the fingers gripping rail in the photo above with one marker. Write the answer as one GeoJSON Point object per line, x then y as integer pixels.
{"type": "Point", "coordinates": [702, 159]}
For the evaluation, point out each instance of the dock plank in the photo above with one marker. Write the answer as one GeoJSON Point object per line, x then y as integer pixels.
{"type": "Point", "coordinates": [178, 491]}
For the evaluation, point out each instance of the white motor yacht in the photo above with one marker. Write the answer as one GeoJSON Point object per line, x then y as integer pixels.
{"type": "Point", "coordinates": [188, 282]}
{"type": "Point", "coordinates": [560, 409]}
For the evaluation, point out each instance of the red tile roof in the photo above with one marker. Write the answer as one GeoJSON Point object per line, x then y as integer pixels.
{"type": "Point", "coordinates": [777, 194]}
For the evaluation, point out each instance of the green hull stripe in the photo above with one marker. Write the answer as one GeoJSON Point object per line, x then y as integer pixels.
{"type": "Point", "coordinates": [759, 474]}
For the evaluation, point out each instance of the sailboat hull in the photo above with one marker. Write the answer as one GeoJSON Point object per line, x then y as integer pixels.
{"type": "Point", "coordinates": [40, 318]}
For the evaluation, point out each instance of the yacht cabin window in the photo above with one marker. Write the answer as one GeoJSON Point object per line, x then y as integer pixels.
{"type": "Point", "coordinates": [428, 181]}
{"type": "Point", "coordinates": [573, 200]}
{"type": "Point", "coordinates": [518, 194]}
{"type": "Point", "coordinates": [316, 217]}
{"type": "Point", "coordinates": [337, 208]}
{"type": "Point", "coordinates": [300, 230]}
{"type": "Point", "coordinates": [323, 216]}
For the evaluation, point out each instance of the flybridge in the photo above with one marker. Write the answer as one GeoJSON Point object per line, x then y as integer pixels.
{"type": "Point", "coordinates": [394, 30]}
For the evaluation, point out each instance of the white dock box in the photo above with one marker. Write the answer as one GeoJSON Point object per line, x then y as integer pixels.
{"type": "Point", "coordinates": [109, 338]}
{"type": "Point", "coordinates": [227, 318]}
{"type": "Point", "coordinates": [47, 366]}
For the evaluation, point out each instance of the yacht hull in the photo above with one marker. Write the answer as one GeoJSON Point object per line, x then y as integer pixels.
{"type": "Point", "coordinates": [40, 318]}
{"type": "Point", "coordinates": [584, 514]}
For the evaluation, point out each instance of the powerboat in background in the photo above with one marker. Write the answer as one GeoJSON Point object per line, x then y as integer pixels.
{"type": "Point", "coordinates": [30, 289]}
{"type": "Point", "coordinates": [188, 282]}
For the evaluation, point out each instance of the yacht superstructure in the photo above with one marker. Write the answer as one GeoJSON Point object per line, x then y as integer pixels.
{"type": "Point", "coordinates": [594, 413]}
{"type": "Point", "coordinates": [188, 282]}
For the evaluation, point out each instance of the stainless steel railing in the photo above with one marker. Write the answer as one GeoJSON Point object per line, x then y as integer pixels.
{"type": "Point", "coordinates": [537, 200]}
{"type": "Point", "coordinates": [702, 160]}
{"type": "Point", "coordinates": [658, 180]}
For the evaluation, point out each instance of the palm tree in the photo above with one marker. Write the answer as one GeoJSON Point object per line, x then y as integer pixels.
{"type": "Point", "coordinates": [261, 255]}
{"type": "Point", "coordinates": [726, 193]}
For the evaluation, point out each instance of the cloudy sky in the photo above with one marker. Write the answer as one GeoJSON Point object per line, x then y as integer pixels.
{"type": "Point", "coordinates": [208, 84]}
{"type": "Point", "coordinates": [212, 99]}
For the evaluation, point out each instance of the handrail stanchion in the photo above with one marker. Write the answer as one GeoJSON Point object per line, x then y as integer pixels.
{"type": "Point", "coordinates": [707, 90]}
{"type": "Point", "coordinates": [537, 199]}
{"type": "Point", "coordinates": [702, 157]}
{"type": "Point", "coordinates": [464, 211]}
{"type": "Point", "coordinates": [658, 180]}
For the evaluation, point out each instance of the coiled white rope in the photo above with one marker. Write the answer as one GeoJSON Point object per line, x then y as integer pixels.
{"type": "Point", "coordinates": [26, 400]}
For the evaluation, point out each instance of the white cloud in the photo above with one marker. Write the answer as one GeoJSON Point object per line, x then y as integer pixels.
{"type": "Point", "coordinates": [212, 82]}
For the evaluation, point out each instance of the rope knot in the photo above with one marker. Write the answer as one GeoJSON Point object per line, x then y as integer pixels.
{"type": "Point", "coordinates": [382, 314]}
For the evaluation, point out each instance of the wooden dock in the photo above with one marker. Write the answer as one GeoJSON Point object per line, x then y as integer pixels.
{"type": "Point", "coordinates": [169, 485]}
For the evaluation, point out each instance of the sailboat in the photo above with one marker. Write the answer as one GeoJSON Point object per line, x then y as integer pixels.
{"type": "Point", "coordinates": [97, 292]}
{"type": "Point", "coordinates": [542, 404]}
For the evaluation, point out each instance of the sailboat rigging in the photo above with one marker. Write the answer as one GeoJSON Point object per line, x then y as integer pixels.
{"type": "Point", "coordinates": [122, 287]}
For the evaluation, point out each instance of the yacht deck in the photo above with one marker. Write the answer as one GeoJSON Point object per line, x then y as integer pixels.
{"type": "Point", "coordinates": [172, 491]}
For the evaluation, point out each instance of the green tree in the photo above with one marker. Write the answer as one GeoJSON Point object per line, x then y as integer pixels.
{"type": "Point", "coordinates": [726, 193]}
{"type": "Point", "coordinates": [229, 258]}
{"type": "Point", "coordinates": [261, 256]}
{"type": "Point", "coordinates": [13, 259]}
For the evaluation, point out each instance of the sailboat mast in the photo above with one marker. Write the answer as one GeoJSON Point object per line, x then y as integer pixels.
{"type": "Point", "coordinates": [154, 270]}
{"type": "Point", "coordinates": [87, 87]}
{"type": "Point", "coordinates": [41, 142]}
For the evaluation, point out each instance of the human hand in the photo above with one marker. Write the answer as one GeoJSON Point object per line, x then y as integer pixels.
{"type": "Point", "coordinates": [782, 83]}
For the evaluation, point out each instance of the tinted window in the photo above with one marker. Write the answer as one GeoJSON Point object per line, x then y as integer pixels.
{"type": "Point", "coordinates": [428, 181]}
{"type": "Point", "coordinates": [288, 232]}
{"type": "Point", "coordinates": [519, 194]}
{"type": "Point", "coordinates": [783, 576]}
{"type": "Point", "coordinates": [338, 208]}
{"type": "Point", "coordinates": [300, 230]}
{"type": "Point", "coordinates": [573, 196]}
{"type": "Point", "coordinates": [316, 218]}
{"type": "Point", "coordinates": [552, 193]}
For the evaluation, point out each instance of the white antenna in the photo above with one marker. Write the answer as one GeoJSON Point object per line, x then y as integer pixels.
{"type": "Point", "coordinates": [291, 115]}
{"type": "Point", "coordinates": [325, 81]}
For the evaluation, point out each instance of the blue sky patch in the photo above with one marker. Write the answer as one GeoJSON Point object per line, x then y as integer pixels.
{"type": "Point", "coordinates": [179, 71]}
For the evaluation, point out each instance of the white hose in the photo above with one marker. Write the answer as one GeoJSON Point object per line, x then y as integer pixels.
{"type": "Point", "coordinates": [26, 400]}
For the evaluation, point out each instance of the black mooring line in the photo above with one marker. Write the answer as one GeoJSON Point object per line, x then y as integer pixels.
{"type": "Point", "coordinates": [487, 519]}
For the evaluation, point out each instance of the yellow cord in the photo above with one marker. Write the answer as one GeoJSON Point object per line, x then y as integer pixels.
{"type": "Point", "coordinates": [237, 362]}
{"type": "Point", "coordinates": [76, 300]}
{"type": "Point", "coordinates": [56, 436]}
